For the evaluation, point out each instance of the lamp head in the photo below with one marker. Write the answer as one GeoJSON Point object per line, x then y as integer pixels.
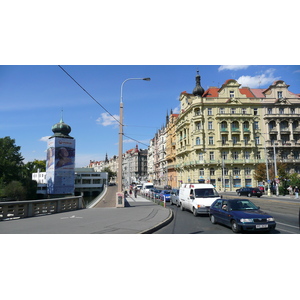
{"type": "Point", "coordinates": [147, 79]}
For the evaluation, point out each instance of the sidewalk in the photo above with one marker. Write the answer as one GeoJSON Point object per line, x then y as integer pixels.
{"type": "Point", "coordinates": [138, 216]}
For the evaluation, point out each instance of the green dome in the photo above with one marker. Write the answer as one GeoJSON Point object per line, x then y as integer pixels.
{"type": "Point", "coordinates": [61, 129]}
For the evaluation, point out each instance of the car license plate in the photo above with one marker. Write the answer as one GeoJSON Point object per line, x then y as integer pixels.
{"type": "Point", "coordinates": [262, 226]}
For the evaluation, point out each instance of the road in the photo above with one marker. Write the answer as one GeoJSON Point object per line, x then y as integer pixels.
{"type": "Point", "coordinates": [285, 211]}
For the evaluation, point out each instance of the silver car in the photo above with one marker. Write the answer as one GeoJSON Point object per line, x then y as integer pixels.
{"type": "Point", "coordinates": [175, 197]}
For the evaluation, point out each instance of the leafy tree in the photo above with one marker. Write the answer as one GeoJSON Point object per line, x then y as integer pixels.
{"type": "Point", "coordinates": [260, 173]}
{"type": "Point", "coordinates": [15, 190]}
{"type": "Point", "coordinates": [11, 160]}
{"type": "Point", "coordinates": [110, 173]}
{"type": "Point", "coordinates": [33, 166]}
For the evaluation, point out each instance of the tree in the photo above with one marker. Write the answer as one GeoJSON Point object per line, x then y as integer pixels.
{"type": "Point", "coordinates": [110, 173]}
{"type": "Point", "coordinates": [260, 173]}
{"type": "Point", "coordinates": [15, 190]}
{"type": "Point", "coordinates": [11, 160]}
{"type": "Point", "coordinates": [33, 166]}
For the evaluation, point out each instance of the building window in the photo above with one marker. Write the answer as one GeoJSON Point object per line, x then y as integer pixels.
{"type": "Point", "coordinates": [209, 111]}
{"type": "Point", "coordinates": [226, 171]}
{"type": "Point", "coordinates": [279, 95]}
{"type": "Point", "coordinates": [210, 125]}
{"type": "Point", "coordinates": [256, 126]}
{"type": "Point", "coordinates": [255, 111]}
{"type": "Point", "coordinates": [247, 155]}
{"type": "Point", "coordinates": [244, 111]}
{"type": "Point", "coordinates": [231, 94]}
{"type": "Point", "coordinates": [211, 155]}
{"type": "Point", "coordinates": [224, 155]}
{"type": "Point", "coordinates": [222, 110]}
{"type": "Point", "coordinates": [197, 141]}
{"type": "Point", "coordinates": [292, 111]}
{"type": "Point", "coordinates": [235, 155]}
{"type": "Point", "coordinates": [197, 112]}
{"type": "Point", "coordinates": [235, 139]}
{"type": "Point", "coordinates": [257, 142]}
{"type": "Point", "coordinates": [233, 111]}
{"type": "Point", "coordinates": [224, 140]}
{"type": "Point", "coordinates": [201, 156]}
{"type": "Point", "coordinates": [270, 111]}
{"type": "Point", "coordinates": [211, 171]}
{"type": "Point", "coordinates": [247, 171]}
{"type": "Point", "coordinates": [198, 126]}
{"type": "Point", "coordinates": [236, 171]}
{"type": "Point", "coordinates": [223, 126]}
{"type": "Point", "coordinates": [281, 111]}
{"type": "Point", "coordinates": [258, 155]}
{"type": "Point", "coordinates": [211, 140]}
{"type": "Point", "coordinates": [201, 172]}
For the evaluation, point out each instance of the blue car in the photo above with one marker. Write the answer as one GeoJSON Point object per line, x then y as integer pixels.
{"type": "Point", "coordinates": [165, 195]}
{"type": "Point", "coordinates": [240, 214]}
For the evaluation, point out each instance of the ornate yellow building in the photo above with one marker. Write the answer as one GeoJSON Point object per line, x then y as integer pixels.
{"type": "Point", "coordinates": [219, 136]}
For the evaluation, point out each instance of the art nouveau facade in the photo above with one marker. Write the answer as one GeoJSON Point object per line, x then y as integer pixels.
{"type": "Point", "coordinates": [223, 133]}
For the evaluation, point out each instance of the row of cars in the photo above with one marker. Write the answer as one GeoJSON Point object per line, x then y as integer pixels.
{"type": "Point", "coordinates": [238, 214]}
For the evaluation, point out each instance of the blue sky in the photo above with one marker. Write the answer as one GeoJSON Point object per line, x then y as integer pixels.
{"type": "Point", "coordinates": [33, 96]}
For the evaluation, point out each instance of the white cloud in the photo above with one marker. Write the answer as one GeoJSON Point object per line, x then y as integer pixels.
{"type": "Point", "coordinates": [176, 110]}
{"type": "Point", "coordinates": [233, 67]}
{"type": "Point", "coordinates": [107, 120]}
{"type": "Point", "coordinates": [44, 138]}
{"type": "Point", "coordinates": [257, 81]}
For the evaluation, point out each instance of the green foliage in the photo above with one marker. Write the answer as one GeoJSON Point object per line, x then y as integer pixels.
{"type": "Point", "coordinates": [11, 161]}
{"type": "Point", "coordinates": [110, 173]}
{"type": "Point", "coordinates": [15, 190]}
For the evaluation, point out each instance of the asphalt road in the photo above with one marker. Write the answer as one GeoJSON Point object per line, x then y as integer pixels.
{"type": "Point", "coordinates": [285, 211]}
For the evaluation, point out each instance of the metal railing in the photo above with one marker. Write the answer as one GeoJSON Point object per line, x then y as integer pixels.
{"type": "Point", "coordinates": [33, 208]}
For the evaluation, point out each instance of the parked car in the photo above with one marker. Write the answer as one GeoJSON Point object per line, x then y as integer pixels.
{"type": "Point", "coordinates": [250, 192]}
{"type": "Point", "coordinates": [240, 214]}
{"type": "Point", "coordinates": [175, 197]}
{"type": "Point", "coordinates": [165, 195]}
{"type": "Point", "coordinates": [156, 194]}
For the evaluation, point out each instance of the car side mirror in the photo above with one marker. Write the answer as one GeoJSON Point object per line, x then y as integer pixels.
{"type": "Point", "coordinates": [192, 197]}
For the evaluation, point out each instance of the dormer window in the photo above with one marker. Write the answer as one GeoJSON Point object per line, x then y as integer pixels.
{"type": "Point", "coordinates": [231, 94]}
{"type": "Point", "coordinates": [279, 95]}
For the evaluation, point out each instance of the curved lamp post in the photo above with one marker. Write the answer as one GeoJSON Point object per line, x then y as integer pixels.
{"type": "Point", "coordinates": [120, 196]}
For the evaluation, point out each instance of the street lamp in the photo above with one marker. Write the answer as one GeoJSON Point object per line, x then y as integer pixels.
{"type": "Point", "coordinates": [120, 196]}
{"type": "Point", "coordinates": [267, 167]}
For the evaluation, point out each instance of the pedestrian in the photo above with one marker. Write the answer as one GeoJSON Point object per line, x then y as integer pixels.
{"type": "Point", "coordinates": [290, 189]}
{"type": "Point", "coordinates": [135, 191]}
{"type": "Point", "coordinates": [296, 191]}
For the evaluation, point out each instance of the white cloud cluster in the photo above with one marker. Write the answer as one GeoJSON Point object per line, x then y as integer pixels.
{"type": "Point", "coordinates": [107, 120]}
{"type": "Point", "coordinates": [44, 138]}
{"type": "Point", "coordinates": [257, 81]}
{"type": "Point", "coordinates": [233, 67]}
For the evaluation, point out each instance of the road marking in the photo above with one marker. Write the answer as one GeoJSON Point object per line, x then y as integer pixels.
{"type": "Point", "coordinates": [287, 231]}
{"type": "Point", "coordinates": [287, 225]}
{"type": "Point", "coordinates": [72, 217]}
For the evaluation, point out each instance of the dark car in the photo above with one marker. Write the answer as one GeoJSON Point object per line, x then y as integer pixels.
{"type": "Point", "coordinates": [240, 214]}
{"type": "Point", "coordinates": [165, 195]}
{"type": "Point", "coordinates": [250, 192]}
{"type": "Point", "coordinates": [156, 193]}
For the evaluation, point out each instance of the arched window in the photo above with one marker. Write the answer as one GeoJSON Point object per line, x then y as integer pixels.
{"type": "Point", "coordinates": [198, 141]}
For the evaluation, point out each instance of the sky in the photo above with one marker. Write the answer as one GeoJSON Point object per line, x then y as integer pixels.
{"type": "Point", "coordinates": [34, 97]}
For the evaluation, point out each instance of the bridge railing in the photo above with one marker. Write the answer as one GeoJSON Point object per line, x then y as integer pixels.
{"type": "Point", "coordinates": [33, 208]}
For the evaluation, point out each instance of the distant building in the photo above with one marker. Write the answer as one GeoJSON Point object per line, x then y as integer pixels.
{"type": "Point", "coordinates": [86, 181]}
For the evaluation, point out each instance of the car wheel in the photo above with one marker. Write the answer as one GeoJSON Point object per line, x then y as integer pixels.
{"type": "Point", "coordinates": [213, 219]}
{"type": "Point", "coordinates": [234, 226]}
{"type": "Point", "coordinates": [181, 207]}
{"type": "Point", "coordinates": [258, 196]}
{"type": "Point", "coordinates": [195, 212]}
{"type": "Point", "coordinates": [249, 195]}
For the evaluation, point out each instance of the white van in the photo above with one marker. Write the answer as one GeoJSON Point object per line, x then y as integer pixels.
{"type": "Point", "coordinates": [197, 197]}
{"type": "Point", "coordinates": [146, 187]}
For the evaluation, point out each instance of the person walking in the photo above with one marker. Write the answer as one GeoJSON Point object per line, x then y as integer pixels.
{"type": "Point", "coordinates": [296, 191]}
{"type": "Point", "coordinates": [290, 189]}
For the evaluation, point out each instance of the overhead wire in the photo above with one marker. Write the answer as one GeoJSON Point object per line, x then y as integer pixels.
{"type": "Point", "coordinates": [99, 104]}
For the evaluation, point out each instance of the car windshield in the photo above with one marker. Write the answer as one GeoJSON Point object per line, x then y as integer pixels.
{"type": "Point", "coordinates": [242, 205]}
{"type": "Point", "coordinates": [206, 193]}
{"type": "Point", "coordinates": [165, 192]}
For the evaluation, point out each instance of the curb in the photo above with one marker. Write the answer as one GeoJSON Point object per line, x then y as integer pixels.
{"type": "Point", "coordinates": [160, 225]}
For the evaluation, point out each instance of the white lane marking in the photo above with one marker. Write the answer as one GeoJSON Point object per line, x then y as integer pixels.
{"type": "Point", "coordinates": [287, 225]}
{"type": "Point", "coordinates": [72, 217]}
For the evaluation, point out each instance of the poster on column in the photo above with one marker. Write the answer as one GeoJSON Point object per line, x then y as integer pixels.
{"type": "Point", "coordinates": [61, 166]}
